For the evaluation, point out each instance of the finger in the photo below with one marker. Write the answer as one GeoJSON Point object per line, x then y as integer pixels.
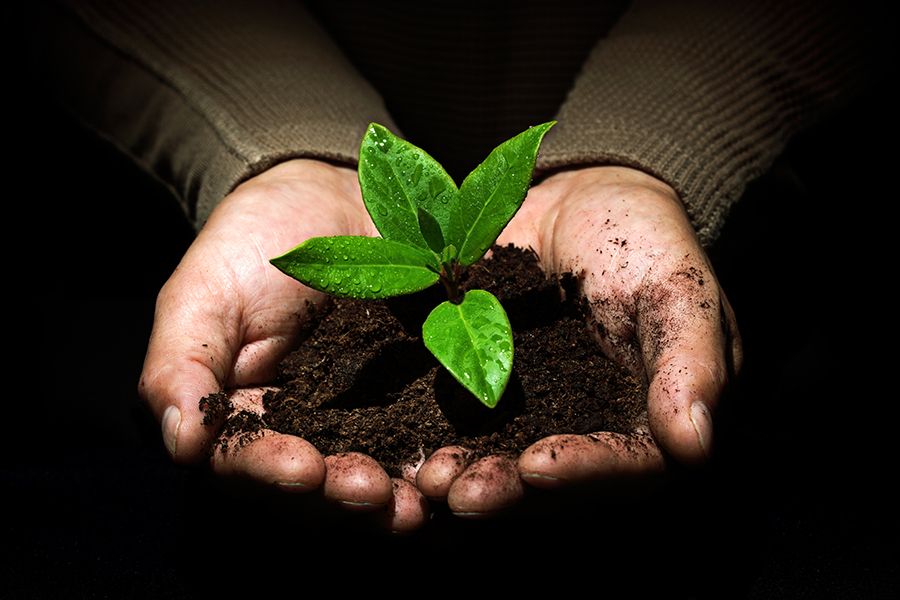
{"type": "Point", "coordinates": [173, 390]}
{"type": "Point", "coordinates": [188, 357]}
{"type": "Point", "coordinates": [271, 334]}
{"type": "Point", "coordinates": [356, 481]}
{"type": "Point", "coordinates": [684, 346]}
{"type": "Point", "coordinates": [408, 509]}
{"type": "Point", "coordinates": [490, 484]}
{"type": "Point", "coordinates": [561, 460]}
{"type": "Point", "coordinates": [286, 461]}
{"type": "Point", "coordinates": [257, 361]}
{"type": "Point", "coordinates": [437, 474]}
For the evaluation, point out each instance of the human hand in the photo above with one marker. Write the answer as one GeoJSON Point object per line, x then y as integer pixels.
{"type": "Point", "coordinates": [658, 310]}
{"type": "Point", "coordinates": [226, 317]}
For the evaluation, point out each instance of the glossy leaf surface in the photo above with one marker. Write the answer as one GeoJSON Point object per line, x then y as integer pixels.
{"type": "Point", "coordinates": [473, 340]}
{"type": "Point", "coordinates": [397, 178]}
{"type": "Point", "coordinates": [360, 267]}
{"type": "Point", "coordinates": [493, 192]}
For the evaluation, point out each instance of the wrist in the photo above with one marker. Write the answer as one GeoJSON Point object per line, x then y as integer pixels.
{"type": "Point", "coordinates": [613, 175]}
{"type": "Point", "coordinates": [302, 190]}
{"type": "Point", "coordinates": [301, 170]}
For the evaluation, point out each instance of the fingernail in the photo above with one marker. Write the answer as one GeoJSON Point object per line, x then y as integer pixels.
{"type": "Point", "coordinates": [702, 422]}
{"type": "Point", "coordinates": [356, 504]}
{"type": "Point", "coordinates": [470, 514]}
{"type": "Point", "coordinates": [292, 486]}
{"type": "Point", "coordinates": [171, 422]}
{"type": "Point", "coordinates": [539, 476]}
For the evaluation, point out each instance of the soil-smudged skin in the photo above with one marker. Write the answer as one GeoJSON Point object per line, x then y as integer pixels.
{"type": "Point", "coordinates": [363, 381]}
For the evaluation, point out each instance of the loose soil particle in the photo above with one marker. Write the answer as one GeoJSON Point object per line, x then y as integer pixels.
{"type": "Point", "coordinates": [362, 380]}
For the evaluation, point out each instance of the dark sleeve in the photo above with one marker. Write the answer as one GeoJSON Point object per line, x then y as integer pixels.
{"type": "Point", "coordinates": [205, 94]}
{"type": "Point", "coordinates": [705, 94]}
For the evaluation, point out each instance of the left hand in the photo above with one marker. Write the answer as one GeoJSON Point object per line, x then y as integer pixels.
{"type": "Point", "coordinates": [658, 310]}
{"type": "Point", "coordinates": [225, 318]}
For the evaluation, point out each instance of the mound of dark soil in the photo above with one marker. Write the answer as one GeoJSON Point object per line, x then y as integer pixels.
{"type": "Point", "coordinates": [362, 380]}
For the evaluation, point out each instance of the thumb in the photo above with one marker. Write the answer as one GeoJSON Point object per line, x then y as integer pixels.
{"type": "Point", "coordinates": [686, 347]}
{"type": "Point", "coordinates": [180, 368]}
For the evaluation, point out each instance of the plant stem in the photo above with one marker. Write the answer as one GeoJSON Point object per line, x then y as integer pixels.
{"type": "Point", "coordinates": [450, 279]}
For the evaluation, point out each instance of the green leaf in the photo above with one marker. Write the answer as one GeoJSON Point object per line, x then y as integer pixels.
{"type": "Point", "coordinates": [448, 255]}
{"type": "Point", "coordinates": [473, 340]}
{"type": "Point", "coordinates": [397, 178]}
{"type": "Point", "coordinates": [493, 192]}
{"type": "Point", "coordinates": [431, 231]}
{"type": "Point", "coordinates": [360, 267]}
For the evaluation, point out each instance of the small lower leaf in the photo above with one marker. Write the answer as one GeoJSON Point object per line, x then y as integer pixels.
{"type": "Point", "coordinates": [473, 340]}
{"type": "Point", "coordinates": [360, 267]}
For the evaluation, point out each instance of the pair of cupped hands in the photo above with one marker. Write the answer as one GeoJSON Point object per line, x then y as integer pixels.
{"type": "Point", "coordinates": [226, 317]}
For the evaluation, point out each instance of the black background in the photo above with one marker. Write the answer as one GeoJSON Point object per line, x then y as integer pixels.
{"type": "Point", "coordinates": [796, 504]}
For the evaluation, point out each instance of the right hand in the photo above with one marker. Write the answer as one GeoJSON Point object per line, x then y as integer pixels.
{"type": "Point", "coordinates": [658, 310]}
{"type": "Point", "coordinates": [226, 317]}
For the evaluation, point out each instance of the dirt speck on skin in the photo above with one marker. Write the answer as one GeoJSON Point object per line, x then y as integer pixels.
{"type": "Point", "coordinates": [239, 427]}
{"type": "Point", "coordinates": [363, 381]}
{"type": "Point", "coordinates": [216, 407]}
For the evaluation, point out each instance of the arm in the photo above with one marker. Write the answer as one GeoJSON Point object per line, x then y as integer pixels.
{"type": "Point", "coordinates": [672, 115]}
{"type": "Point", "coordinates": [206, 94]}
{"type": "Point", "coordinates": [704, 95]}
{"type": "Point", "coordinates": [233, 100]}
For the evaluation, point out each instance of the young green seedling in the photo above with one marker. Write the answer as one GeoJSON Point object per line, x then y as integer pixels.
{"type": "Point", "coordinates": [430, 231]}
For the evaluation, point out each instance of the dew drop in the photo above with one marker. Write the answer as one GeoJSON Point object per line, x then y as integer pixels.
{"type": "Point", "coordinates": [375, 287]}
{"type": "Point", "coordinates": [382, 210]}
{"type": "Point", "coordinates": [417, 174]}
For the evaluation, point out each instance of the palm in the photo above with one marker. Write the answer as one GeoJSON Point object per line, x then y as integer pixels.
{"type": "Point", "coordinates": [657, 309]}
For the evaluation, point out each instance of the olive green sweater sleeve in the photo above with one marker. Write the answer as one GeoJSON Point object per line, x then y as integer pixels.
{"type": "Point", "coordinates": [207, 93]}
{"type": "Point", "coordinates": [704, 94]}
